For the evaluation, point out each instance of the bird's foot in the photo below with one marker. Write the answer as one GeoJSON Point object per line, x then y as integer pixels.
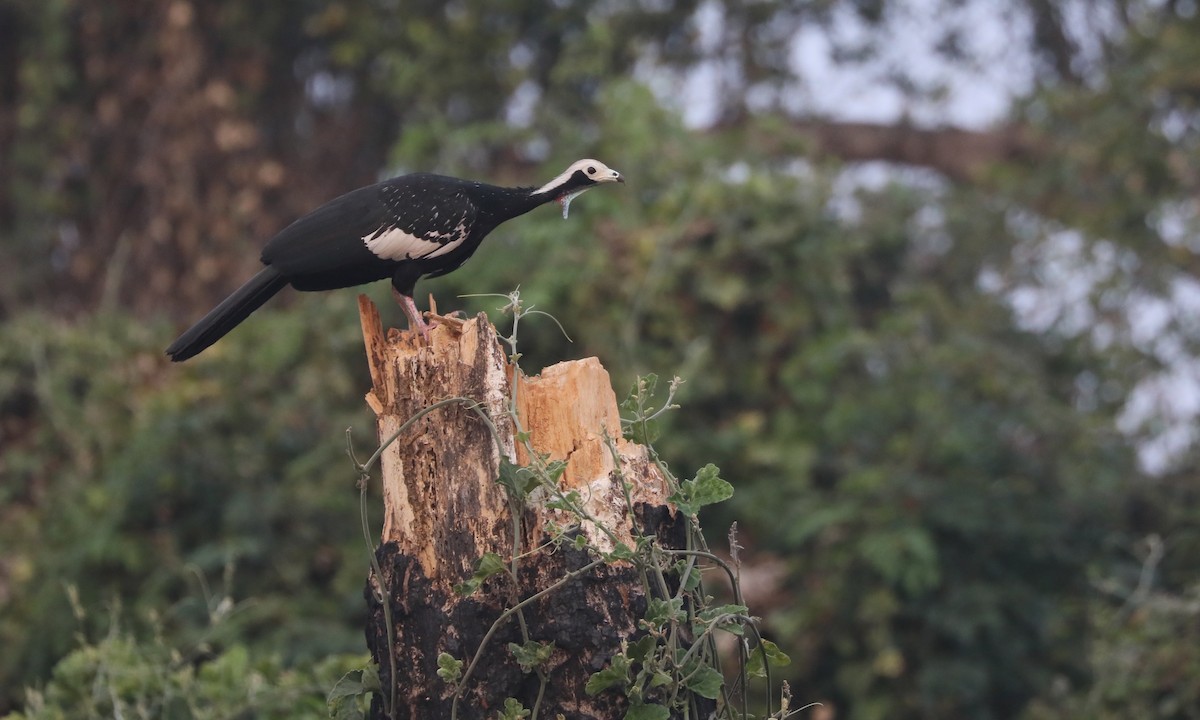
{"type": "Point", "coordinates": [415, 322]}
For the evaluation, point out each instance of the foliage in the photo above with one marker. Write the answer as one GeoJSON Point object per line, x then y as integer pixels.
{"type": "Point", "coordinates": [173, 495]}
{"type": "Point", "coordinates": [941, 473]}
{"type": "Point", "coordinates": [120, 676]}
{"type": "Point", "coordinates": [1145, 661]}
{"type": "Point", "coordinates": [926, 465]}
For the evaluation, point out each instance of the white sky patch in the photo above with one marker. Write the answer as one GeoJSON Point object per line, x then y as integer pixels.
{"type": "Point", "coordinates": [974, 92]}
{"type": "Point", "coordinates": [737, 173]}
{"type": "Point", "coordinates": [327, 89]}
{"type": "Point", "coordinates": [1089, 25]}
{"type": "Point", "coordinates": [522, 104]}
{"type": "Point", "coordinates": [874, 176]}
{"type": "Point", "coordinates": [1178, 224]}
{"type": "Point", "coordinates": [709, 24]}
{"type": "Point", "coordinates": [1163, 408]}
{"type": "Point", "coordinates": [844, 201]}
{"type": "Point", "coordinates": [1067, 275]}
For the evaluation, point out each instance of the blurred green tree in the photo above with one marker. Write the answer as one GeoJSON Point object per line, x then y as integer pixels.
{"type": "Point", "coordinates": [915, 374]}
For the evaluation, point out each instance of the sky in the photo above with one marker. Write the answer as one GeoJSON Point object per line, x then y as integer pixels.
{"type": "Point", "coordinates": [977, 93]}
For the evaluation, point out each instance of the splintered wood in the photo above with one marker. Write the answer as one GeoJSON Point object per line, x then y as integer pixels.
{"type": "Point", "coordinates": [441, 502]}
{"type": "Point", "coordinates": [439, 476]}
{"type": "Point", "coordinates": [570, 413]}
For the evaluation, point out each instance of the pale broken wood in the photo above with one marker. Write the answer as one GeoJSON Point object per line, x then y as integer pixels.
{"type": "Point", "coordinates": [438, 481]}
{"type": "Point", "coordinates": [570, 413]}
{"type": "Point", "coordinates": [441, 502]}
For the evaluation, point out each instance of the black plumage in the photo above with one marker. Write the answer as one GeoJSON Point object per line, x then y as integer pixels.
{"type": "Point", "coordinates": [406, 228]}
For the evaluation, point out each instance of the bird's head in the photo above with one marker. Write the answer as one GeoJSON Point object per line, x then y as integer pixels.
{"type": "Point", "coordinates": [580, 177]}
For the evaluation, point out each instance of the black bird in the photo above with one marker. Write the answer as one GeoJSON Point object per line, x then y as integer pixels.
{"type": "Point", "coordinates": [406, 228]}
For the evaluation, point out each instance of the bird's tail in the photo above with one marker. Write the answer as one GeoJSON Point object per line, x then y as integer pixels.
{"type": "Point", "coordinates": [226, 316]}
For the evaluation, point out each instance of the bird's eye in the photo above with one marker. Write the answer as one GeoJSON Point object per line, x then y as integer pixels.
{"type": "Point", "coordinates": [591, 170]}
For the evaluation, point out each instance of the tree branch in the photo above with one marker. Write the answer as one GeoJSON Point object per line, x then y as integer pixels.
{"type": "Point", "coordinates": [961, 155]}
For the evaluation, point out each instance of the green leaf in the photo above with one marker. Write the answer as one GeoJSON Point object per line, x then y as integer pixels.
{"type": "Point", "coordinates": [711, 614]}
{"type": "Point", "coordinates": [513, 710]}
{"type": "Point", "coordinates": [705, 681]}
{"type": "Point", "coordinates": [620, 552]}
{"type": "Point", "coordinates": [370, 679]}
{"type": "Point", "coordinates": [691, 580]}
{"type": "Point", "coordinates": [906, 556]}
{"type": "Point", "coordinates": [348, 685]}
{"type": "Point", "coordinates": [725, 617]}
{"type": "Point", "coordinates": [774, 657]}
{"type": "Point", "coordinates": [449, 668]}
{"type": "Point", "coordinates": [569, 502]}
{"type": "Point", "coordinates": [343, 700]}
{"type": "Point", "coordinates": [532, 654]}
{"type": "Point", "coordinates": [617, 673]}
{"type": "Point", "coordinates": [490, 564]}
{"type": "Point", "coordinates": [517, 479]}
{"type": "Point", "coordinates": [555, 469]}
{"type": "Point", "coordinates": [660, 678]}
{"type": "Point", "coordinates": [640, 648]}
{"type": "Point", "coordinates": [660, 612]}
{"type": "Point", "coordinates": [345, 709]}
{"type": "Point", "coordinates": [649, 711]}
{"type": "Point", "coordinates": [707, 488]}
{"type": "Point", "coordinates": [643, 432]}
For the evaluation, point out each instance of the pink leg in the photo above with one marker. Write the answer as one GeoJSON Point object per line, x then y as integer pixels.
{"type": "Point", "coordinates": [414, 315]}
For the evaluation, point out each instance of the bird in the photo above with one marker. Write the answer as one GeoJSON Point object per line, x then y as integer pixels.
{"type": "Point", "coordinates": [408, 227]}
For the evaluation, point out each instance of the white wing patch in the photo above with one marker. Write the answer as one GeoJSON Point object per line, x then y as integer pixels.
{"type": "Point", "coordinates": [390, 243]}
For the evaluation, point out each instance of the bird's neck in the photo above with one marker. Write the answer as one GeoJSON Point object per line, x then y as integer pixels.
{"type": "Point", "coordinates": [505, 203]}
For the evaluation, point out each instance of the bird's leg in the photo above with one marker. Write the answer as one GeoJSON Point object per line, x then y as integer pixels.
{"type": "Point", "coordinates": [414, 316]}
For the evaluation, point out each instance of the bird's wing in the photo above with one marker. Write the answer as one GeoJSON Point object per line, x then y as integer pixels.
{"type": "Point", "coordinates": [424, 219]}
{"type": "Point", "coordinates": [414, 217]}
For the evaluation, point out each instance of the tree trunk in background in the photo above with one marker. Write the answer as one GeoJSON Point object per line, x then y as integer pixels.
{"type": "Point", "coordinates": [167, 142]}
{"type": "Point", "coordinates": [443, 509]}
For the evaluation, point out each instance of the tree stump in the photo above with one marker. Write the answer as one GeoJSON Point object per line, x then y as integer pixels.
{"type": "Point", "coordinates": [443, 510]}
